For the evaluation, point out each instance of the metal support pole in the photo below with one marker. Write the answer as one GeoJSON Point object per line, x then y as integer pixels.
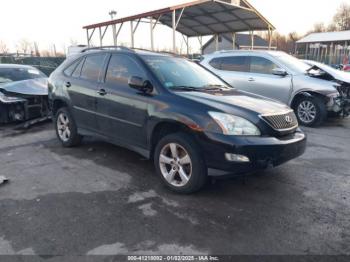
{"type": "Point", "coordinates": [295, 48]}
{"type": "Point", "coordinates": [174, 31]}
{"type": "Point", "coordinates": [270, 38]}
{"type": "Point", "coordinates": [307, 51]}
{"type": "Point", "coordinates": [114, 30]}
{"type": "Point", "coordinates": [87, 37]}
{"type": "Point", "coordinates": [152, 36]}
{"type": "Point", "coordinates": [132, 34]}
{"type": "Point", "coordinates": [188, 47]}
{"type": "Point", "coordinates": [117, 34]}
{"type": "Point", "coordinates": [100, 31]}
{"type": "Point", "coordinates": [252, 39]}
{"type": "Point", "coordinates": [200, 38]}
{"type": "Point", "coordinates": [216, 42]}
{"type": "Point", "coordinates": [233, 40]}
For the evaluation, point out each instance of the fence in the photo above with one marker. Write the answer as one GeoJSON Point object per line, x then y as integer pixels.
{"type": "Point", "coordinates": [45, 64]}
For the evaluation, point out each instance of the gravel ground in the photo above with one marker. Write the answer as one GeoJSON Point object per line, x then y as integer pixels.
{"type": "Point", "coordinates": [100, 199]}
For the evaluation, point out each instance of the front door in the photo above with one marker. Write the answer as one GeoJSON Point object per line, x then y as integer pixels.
{"type": "Point", "coordinates": [261, 80]}
{"type": "Point", "coordinates": [121, 110]}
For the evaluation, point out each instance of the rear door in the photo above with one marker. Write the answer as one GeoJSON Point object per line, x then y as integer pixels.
{"type": "Point", "coordinates": [232, 69]}
{"type": "Point", "coordinates": [262, 81]}
{"type": "Point", "coordinates": [122, 110]}
{"type": "Point", "coordinates": [82, 88]}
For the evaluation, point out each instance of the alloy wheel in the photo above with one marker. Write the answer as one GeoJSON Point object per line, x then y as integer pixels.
{"type": "Point", "coordinates": [175, 164]}
{"type": "Point", "coordinates": [307, 112]}
{"type": "Point", "coordinates": [63, 127]}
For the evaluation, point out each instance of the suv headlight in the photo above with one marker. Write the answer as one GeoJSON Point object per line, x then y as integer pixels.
{"type": "Point", "coordinates": [235, 125]}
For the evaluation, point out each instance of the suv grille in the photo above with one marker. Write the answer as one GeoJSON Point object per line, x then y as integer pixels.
{"type": "Point", "coordinates": [283, 121]}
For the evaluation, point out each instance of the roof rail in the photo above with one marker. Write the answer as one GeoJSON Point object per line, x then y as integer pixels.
{"type": "Point", "coordinates": [106, 48]}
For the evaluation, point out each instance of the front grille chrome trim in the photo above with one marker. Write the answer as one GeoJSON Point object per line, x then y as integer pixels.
{"type": "Point", "coordinates": [277, 121]}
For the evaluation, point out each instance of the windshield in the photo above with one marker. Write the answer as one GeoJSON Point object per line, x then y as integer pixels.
{"type": "Point", "coordinates": [292, 63]}
{"type": "Point", "coordinates": [175, 72]}
{"type": "Point", "coordinates": [18, 74]}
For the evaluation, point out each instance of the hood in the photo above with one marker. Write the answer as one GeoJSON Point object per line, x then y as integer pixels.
{"type": "Point", "coordinates": [334, 73]}
{"type": "Point", "coordinates": [27, 87]}
{"type": "Point", "coordinates": [222, 100]}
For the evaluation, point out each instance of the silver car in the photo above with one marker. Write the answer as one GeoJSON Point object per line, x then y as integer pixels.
{"type": "Point", "coordinates": [282, 77]}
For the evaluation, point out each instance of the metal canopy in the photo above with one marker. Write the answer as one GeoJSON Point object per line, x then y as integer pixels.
{"type": "Point", "coordinates": [216, 17]}
{"type": "Point", "coordinates": [195, 19]}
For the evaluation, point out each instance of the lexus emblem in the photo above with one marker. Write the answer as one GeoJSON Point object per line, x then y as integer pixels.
{"type": "Point", "coordinates": [289, 119]}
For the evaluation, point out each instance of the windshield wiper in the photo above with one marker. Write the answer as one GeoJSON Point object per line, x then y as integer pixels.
{"type": "Point", "coordinates": [187, 88]}
{"type": "Point", "coordinates": [215, 87]}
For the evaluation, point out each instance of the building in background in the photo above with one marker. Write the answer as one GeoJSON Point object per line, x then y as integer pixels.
{"type": "Point", "coordinates": [242, 41]}
{"type": "Point", "coordinates": [328, 47]}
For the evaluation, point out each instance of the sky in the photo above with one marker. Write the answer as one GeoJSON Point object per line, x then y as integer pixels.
{"type": "Point", "coordinates": [60, 22]}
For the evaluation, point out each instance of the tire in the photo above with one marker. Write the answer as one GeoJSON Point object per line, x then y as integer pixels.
{"type": "Point", "coordinates": [196, 171]}
{"type": "Point", "coordinates": [66, 128]}
{"type": "Point", "coordinates": [310, 111]}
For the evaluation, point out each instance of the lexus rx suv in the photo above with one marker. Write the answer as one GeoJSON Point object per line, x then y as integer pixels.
{"type": "Point", "coordinates": [169, 109]}
{"type": "Point", "coordinates": [281, 77]}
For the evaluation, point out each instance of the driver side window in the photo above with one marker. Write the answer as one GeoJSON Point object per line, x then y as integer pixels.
{"type": "Point", "coordinates": [260, 65]}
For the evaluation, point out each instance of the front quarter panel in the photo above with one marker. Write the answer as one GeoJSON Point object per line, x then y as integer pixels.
{"type": "Point", "coordinates": [303, 83]}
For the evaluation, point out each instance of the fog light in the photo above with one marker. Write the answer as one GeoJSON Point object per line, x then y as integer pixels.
{"type": "Point", "coordinates": [236, 158]}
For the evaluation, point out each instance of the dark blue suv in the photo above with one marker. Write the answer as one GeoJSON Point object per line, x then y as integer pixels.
{"type": "Point", "coordinates": [169, 109]}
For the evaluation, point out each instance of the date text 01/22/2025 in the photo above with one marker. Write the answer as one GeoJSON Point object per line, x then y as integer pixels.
{"type": "Point", "coordinates": [173, 258]}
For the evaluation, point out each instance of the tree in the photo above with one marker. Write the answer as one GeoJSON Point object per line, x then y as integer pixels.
{"type": "Point", "coordinates": [318, 28]}
{"type": "Point", "coordinates": [341, 19]}
{"type": "Point", "coordinates": [3, 48]}
{"type": "Point", "coordinates": [24, 46]}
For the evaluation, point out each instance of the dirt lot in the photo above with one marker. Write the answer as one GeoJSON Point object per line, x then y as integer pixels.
{"type": "Point", "coordinates": [102, 199]}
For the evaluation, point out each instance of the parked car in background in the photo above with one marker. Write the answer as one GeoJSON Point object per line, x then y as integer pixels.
{"type": "Point", "coordinates": [23, 93]}
{"type": "Point", "coordinates": [346, 68]}
{"type": "Point", "coordinates": [167, 108]}
{"type": "Point", "coordinates": [278, 76]}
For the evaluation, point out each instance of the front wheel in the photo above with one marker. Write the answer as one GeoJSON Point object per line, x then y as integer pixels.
{"type": "Point", "coordinates": [179, 163]}
{"type": "Point", "coordinates": [310, 111]}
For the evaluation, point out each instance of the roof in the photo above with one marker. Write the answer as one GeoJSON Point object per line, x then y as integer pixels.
{"type": "Point", "coordinates": [245, 52]}
{"type": "Point", "coordinates": [326, 37]}
{"type": "Point", "coordinates": [204, 17]}
{"type": "Point", "coordinates": [14, 66]}
{"type": "Point", "coordinates": [241, 40]}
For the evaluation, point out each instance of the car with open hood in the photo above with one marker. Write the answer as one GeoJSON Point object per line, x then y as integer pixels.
{"type": "Point", "coordinates": [23, 93]}
{"type": "Point", "coordinates": [169, 109]}
{"type": "Point", "coordinates": [340, 79]}
{"type": "Point", "coordinates": [281, 77]}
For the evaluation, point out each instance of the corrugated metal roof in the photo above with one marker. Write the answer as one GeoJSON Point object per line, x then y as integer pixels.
{"type": "Point", "coordinates": [241, 40]}
{"type": "Point", "coordinates": [326, 37]}
{"type": "Point", "coordinates": [205, 17]}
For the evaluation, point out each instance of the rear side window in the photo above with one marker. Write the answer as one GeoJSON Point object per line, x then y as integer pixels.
{"type": "Point", "coordinates": [121, 68]}
{"type": "Point", "coordinates": [235, 63]}
{"type": "Point", "coordinates": [70, 69]}
{"type": "Point", "coordinates": [77, 70]}
{"type": "Point", "coordinates": [260, 65]}
{"type": "Point", "coordinates": [92, 67]}
{"type": "Point", "coordinates": [216, 63]}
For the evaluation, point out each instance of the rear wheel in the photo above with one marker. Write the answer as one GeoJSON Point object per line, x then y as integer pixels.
{"type": "Point", "coordinates": [66, 129]}
{"type": "Point", "coordinates": [179, 163]}
{"type": "Point", "coordinates": [310, 111]}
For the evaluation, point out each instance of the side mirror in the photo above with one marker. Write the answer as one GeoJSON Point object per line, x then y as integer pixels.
{"type": "Point", "coordinates": [279, 72]}
{"type": "Point", "coordinates": [140, 84]}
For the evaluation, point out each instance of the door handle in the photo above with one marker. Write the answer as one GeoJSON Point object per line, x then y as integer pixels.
{"type": "Point", "coordinates": [251, 79]}
{"type": "Point", "coordinates": [68, 84]}
{"type": "Point", "coordinates": [102, 92]}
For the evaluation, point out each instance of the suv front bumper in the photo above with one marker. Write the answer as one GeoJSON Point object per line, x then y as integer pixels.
{"type": "Point", "coordinates": [263, 152]}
